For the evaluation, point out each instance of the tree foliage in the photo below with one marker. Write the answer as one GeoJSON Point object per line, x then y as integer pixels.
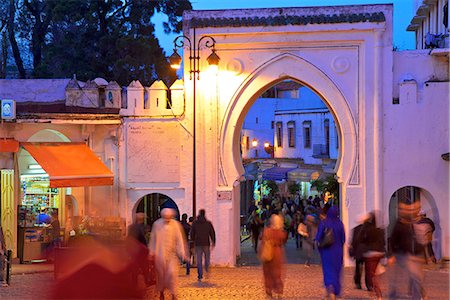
{"type": "Point", "coordinates": [114, 39]}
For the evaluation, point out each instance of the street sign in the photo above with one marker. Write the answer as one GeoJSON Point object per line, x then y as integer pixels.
{"type": "Point", "coordinates": [8, 109]}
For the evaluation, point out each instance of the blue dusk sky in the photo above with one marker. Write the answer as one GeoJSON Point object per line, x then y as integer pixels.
{"type": "Point", "coordinates": [403, 13]}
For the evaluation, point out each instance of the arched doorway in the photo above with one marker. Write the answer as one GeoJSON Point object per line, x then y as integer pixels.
{"type": "Point", "coordinates": [269, 74]}
{"type": "Point", "coordinates": [414, 194]}
{"type": "Point", "coordinates": [289, 156]}
{"type": "Point", "coordinates": [152, 204]}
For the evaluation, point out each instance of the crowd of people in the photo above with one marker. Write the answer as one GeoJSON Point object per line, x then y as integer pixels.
{"type": "Point", "coordinates": [314, 224]}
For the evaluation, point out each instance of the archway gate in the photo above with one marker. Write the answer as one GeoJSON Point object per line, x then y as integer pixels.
{"type": "Point", "coordinates": [343, 53]}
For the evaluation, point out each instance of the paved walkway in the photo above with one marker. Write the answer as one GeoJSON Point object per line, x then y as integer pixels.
{"type": "Point", "coordinates": [35, 281]}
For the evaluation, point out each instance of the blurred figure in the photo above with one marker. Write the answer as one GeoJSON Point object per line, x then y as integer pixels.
{"type": "Point", "coordinates": [187, 231]}
{"type": "Point", "coordinates": [93, 270]}
{"type": "Point", "coordinates": [167, 245]}
{"type": "Point", "coordinates": [43, 217]}
{"type": "Point", "coordinates": [56, 236]}
{"type": "Point", "coordinates": [256, 225]}
{"type": "Point", "coordinates": [426, 228]}
{"type": "Point", "coordinates": [356, 251]}
{"type": "Point", "coordinates": [138, 248]}
{"type": "Point", "coordinates": [272, 270]}
{"type": "Point", "coordinates": [204, 238]}
{"type": "Point", "coordinates": [311, 231]}
{"type": "Point", "coordinates": [3, 282]}
{"type": "Point", "coordinates": [332, 256]}
{"type": "Point", "coordinates": [406, 252]}
{"type": "Point", "coordinates": [372, 241]}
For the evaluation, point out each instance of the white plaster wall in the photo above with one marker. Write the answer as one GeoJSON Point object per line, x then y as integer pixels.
{"type": "Point", "coordinates": [179, 188]}
{"type": "Point", "coordinates": [349, 65]}
{"type": "Point", "coordinates": [416, 134]}
{"type": "Point", "coordinates": [317, 135]}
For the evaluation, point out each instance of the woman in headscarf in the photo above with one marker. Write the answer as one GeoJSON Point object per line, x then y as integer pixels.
{"type": "Point", "coordinates": [272, 270]}
{"type": "Point", "coordinates": [332, 256]}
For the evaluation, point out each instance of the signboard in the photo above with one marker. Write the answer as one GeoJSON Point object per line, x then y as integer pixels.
{"type": "Point", "coordinates": [8, 109]}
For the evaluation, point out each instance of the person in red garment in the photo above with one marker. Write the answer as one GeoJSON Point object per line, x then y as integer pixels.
{"type": "Point", "coordinates": [273, 269]}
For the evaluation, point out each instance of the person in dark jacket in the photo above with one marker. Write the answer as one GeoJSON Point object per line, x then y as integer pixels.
{"type": "Point", "coordinates": [372, 239]}
{"type": "Point", "coordinates": [187, 232]}
{"type": "Point", "coordinates": [356, 251]}
{"type": "Point", "coordinates": [204, 237]}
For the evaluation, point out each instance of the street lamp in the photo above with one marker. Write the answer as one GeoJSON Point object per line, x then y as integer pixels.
{"type": "Point", "coordinates": [175, 59]}
{"type": "Point", "coordinates": [254, 145]}
{"type": "Point", "coordinates": [268, 148]}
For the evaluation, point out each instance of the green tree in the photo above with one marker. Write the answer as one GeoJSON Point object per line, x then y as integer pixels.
{"type": "Point", "coordinates": [273, 186]}
{"type": "Point", "coordinates": [114, 39]}
{"type": "Point", "coordinates": [294, 188]}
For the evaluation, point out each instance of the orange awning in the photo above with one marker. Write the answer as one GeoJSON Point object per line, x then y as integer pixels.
{"type": "Point", "coordinates": [9, 145]}
{"type": "Point", "coordinates": [70, 164]}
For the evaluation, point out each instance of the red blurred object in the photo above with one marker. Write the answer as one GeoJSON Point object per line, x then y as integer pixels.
{"type": "Point", "coordinates": [92, 270]}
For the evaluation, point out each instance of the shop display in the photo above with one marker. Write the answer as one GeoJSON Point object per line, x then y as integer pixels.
{"type": "Point", "coordinates": [38, 202]}
{"type": "Point", "coordinates": [36, 191]}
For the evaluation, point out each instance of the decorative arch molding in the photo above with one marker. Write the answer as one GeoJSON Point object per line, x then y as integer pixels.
{"type": "Point", "coordinates": [281, 67]}
{"type": "Point", "coordinates": [48, 135]}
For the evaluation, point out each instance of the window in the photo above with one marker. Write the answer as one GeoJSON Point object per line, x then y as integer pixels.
{"type": "Point", "coordinates": [326, 129]}
{"type": "Point", "coordinates": [168, 100]}
{"type": "Point", "coordinates": [307, 134]}
{"type": "Point", "coordinates": [247, 142]}
{"type": "Point", "coordinates": [279, 134]}
{"type": "Point", "coordinates": [272, 124]}
{"type": "Point", "coordinates": [291, 133]}
{"type": "Point", "coordinates": [257, 120]}
{"type": "Point", "coordinates": [337, 136]}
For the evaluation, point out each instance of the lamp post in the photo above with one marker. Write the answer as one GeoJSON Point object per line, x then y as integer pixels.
{"type": "Point", "coordinates": [254, 145]}
{"type": "Point", "coordinates": [269, 149]}
{"type": "Point", "coordinates": [175, 59]}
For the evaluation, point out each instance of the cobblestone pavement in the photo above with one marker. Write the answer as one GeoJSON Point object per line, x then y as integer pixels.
{"type": "Point", "coordinates": [245, 282]}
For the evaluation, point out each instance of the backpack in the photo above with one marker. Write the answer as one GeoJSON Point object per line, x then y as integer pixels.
{"type": "Point", "coordinates": [423, 233]}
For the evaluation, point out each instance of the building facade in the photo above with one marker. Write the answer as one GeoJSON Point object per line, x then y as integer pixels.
{"type": "Point", "coordinates": [390, 109]}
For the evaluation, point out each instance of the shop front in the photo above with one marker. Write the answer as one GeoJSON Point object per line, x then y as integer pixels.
{"type": "Point", "coordinates": [49, 173]}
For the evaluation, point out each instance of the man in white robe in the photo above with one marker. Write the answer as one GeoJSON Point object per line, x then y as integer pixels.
{"type": "Point", "coordinates": [167, 245]}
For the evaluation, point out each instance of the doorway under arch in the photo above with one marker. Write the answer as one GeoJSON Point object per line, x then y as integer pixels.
{"type": "Point", "coordinates": [286, 142]}
{"type": "Point", "coordinates": [414, 194]}
{"type": "Point", "coordinates": [152, 204]}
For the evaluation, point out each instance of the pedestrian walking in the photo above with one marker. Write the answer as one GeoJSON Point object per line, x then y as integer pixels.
{"type": "Point", "coordinates": [167, 246]}
{"type": "Point", "coordinates": [426, 227]}
{"type": "Point", "coordinates": [187, 232]}
{"type": "Point", "coordinates": [309, 234]}
{"type": "Point", "coordinates": [373, 244]}
{"type": "Point", "coordinates": [204, 238]}
{"type": "Point", "coordinates": [356, 252]}
{"type": "Point", "coordinates": [274, 237]}
{"type": "Point", "coordinates": [137, 249]}
{"type": "Point", "coordinates": [331, 255]}
{"type": "Point", "coordinates": [256, 225]}
{"type": "Point", "coordinates": [405, 253]}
